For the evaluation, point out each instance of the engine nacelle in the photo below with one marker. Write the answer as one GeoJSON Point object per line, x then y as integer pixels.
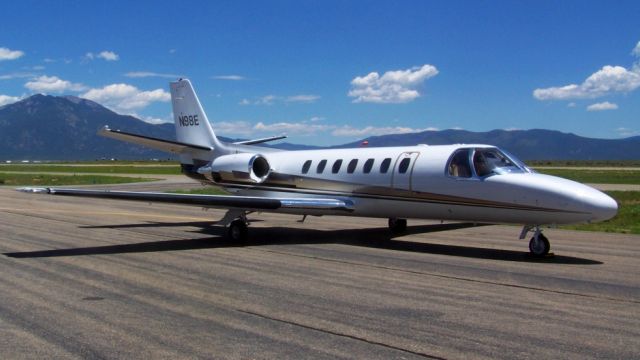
{"type": "Point", "coordinates": [244, 167]}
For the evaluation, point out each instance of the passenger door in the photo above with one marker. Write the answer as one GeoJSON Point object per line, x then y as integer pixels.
{"type": "Point", "coordinates": [402, 170]}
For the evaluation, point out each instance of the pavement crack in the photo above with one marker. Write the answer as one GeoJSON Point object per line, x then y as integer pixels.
{"type": "Point", "coordinates": [335, 333]}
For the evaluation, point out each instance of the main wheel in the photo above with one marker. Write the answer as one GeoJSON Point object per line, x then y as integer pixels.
{"type": "Point", "coordinates": [540, 247]}
{"type": "Point", "coordinates": [397, 226]}
{"type": "Point", "coordinates": [238, 231]}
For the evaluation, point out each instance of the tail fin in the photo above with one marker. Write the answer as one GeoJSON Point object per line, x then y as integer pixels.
{"type": "Point", "coordinates": [192, 125]}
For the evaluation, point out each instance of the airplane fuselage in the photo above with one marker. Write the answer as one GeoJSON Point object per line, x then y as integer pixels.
{"type": "Point", "coordinates": [415, 182]}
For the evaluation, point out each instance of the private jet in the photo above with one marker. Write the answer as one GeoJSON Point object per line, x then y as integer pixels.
{"type": "Point", "coordinates": [463, 182]}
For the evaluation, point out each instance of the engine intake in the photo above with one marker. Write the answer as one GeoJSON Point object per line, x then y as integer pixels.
{"type": "Point", "coordinates": [244, 167]}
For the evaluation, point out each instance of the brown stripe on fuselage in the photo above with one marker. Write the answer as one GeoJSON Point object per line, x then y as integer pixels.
{"type": "Point", "coordinates": [314, 186]}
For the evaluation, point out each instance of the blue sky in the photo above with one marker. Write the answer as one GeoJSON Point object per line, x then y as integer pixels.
{"type": "Point", "coordinates": [330, 72]}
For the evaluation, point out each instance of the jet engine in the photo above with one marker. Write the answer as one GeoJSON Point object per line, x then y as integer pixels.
{"type": "Point", "coordinates": [244, 167]}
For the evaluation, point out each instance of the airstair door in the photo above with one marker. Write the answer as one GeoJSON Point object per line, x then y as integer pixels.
{"type": "Point", "coordinates": [402, 170]}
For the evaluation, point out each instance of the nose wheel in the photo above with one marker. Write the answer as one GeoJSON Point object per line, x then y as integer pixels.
{"type": "Point", "coordinates": [539, 245]}
{"type": "Point", "coordinates": [397, 226]}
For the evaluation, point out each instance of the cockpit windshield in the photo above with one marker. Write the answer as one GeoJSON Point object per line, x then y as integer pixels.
{"type": "Point", "coordinates": [484, 162]}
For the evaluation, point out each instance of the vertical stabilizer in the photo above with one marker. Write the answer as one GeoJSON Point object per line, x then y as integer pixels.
{"type": "Point", "coordinates": [192, 125]}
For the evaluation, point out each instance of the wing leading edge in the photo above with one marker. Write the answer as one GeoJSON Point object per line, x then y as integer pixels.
{"type": "Point", "coordinates": [249, 203]}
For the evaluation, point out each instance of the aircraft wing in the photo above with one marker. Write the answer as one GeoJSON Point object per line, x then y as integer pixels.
{"type": "Point", "coordinates": [154, 143]}
{"type": "Point", "coordinates": [248, 203]}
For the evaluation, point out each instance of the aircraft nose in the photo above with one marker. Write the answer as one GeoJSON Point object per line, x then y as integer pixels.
{"type": "Point", "coordinates": [601, 206]}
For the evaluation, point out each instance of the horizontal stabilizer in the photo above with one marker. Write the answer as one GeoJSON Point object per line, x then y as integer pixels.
{"type": "Point", "coordinates": [214, 201]}
{"type": "Point", "coordinates": [260, 141]}
{"type": "Point", "coordinates": [154, 143]}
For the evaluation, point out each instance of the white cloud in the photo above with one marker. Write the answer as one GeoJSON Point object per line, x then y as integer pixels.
{"type": "Point", "coordinates": [241, 128]}
{"type": "Point", "coordinates": [349, 131]}
{"type": "Point", "coordinates": [636, 50]}
{"type": "Point", "coordinates": [626, 132]}
{"type": "Point", "coordinates": [399, 86]}
{"type": "Point", "coordinates": [264, 100]}
{"type": "Point", "coordinates": [606, 81]}
{"type": "Point", "coordinates": [144, 74]}
{"type": "Point", "coordinates": [272, 99]}
{"type": "Point", "coordinates": [229, 77]}
{"type": "Point", "coordinates": [16, 76]}
{"type": "Point", "coordinates": [302, 98]}
{"type": "Point", "coordinates": [297, 128]}
{"type": "Point", "coordinates": [124, 97]}
{"type": "Point", "coordinates": [311, 127]}
{"type": "Point", "coordinates": [48, 84]}
{"type": "Point", "coordinates": [246, 129]}
{"type": "Point", "coordinates": [571, 104]}
{"type": "Point", "coordinates": [108, 56]}
{"type": "Point", "coordinates": [155, 120]}
{"type": "Point", "coordinates": [105, 55]}
{"type": "Point", "coordinates": [602, 106]}
{"type": "Point", "coordinates": [6, 99]}
{"type": "Point", "coordinates": [8, 54]}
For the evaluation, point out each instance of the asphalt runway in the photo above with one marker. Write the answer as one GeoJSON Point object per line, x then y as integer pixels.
{"type": "Point", "coordinates": [82, 278]}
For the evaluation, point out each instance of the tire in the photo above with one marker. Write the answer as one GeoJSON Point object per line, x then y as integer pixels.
{"type": "Point", "coordinates": [397, 226]}
{"type": "Point", "coordinates": [238, 231]}
{"type": "Point", "coordinates": [541, 247]}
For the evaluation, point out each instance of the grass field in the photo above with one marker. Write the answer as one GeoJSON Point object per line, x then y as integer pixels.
{"type": "Point", "coordinates": [596, 176]}
{"type": "Point", "coordinates": [101, 169]}
{"type": "Point", "coordinates": [54, 180]}
{"type": "Point", "coordinates": [628, 219]}
{"type": "Point", "coordinates": [584, 163]}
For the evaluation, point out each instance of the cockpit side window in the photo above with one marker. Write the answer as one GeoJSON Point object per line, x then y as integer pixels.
{"type": "Point", "coordinates": [487, 161]}
{"type": "Point", "coordinates": [481, 163]}
{"type": "Point", "coordinates": [459, 164]}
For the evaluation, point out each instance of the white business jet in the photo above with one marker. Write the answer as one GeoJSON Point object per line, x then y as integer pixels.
{"type": "Point", "coordinates": [463, 182]}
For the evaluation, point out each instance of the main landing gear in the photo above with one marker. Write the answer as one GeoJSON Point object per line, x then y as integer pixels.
{"type": "Point", "coordinates": [238, 231]}
{"type": "Point", "coordinates": [397, 226]}
{"type": "Point", "coordinates": [237, 225]}
{"type": "Point", "coordinates": [539, 245]}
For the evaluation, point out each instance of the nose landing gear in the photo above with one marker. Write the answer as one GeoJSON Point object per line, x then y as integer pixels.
{"type": "Point", "coordinates": [397, 226]}
{"type": "Point", "coordinates": [539, 245]}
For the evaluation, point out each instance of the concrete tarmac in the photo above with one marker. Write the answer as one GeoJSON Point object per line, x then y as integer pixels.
{"type": "Point", "coordinates": [86, 278]}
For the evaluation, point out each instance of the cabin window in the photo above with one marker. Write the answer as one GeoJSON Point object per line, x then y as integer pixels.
{"type": "Point", "coordinates": [459, 164]}
{"type": "Point", "coordinates": [367, 166]}
{"type": "Point", "coordinates": [321, 165]}
{"type": "Point", "coordinates": [306, 166]}
{"type": "Point", "coordinates": [336, 166]}
{"type": "Point", "coordinates": [384, 166]}
{"type": "Point", "coordinates": [352, 166]}
{"type": "Point", "coordinates": [404, 165]}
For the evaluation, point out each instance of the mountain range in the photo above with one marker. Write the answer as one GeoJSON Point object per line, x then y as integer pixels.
{"type": "Point", "coordinates": [46, 127]}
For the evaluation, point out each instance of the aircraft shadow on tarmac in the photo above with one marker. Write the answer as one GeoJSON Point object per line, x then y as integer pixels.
{"type": "Point", "coordinates": [379, 238]}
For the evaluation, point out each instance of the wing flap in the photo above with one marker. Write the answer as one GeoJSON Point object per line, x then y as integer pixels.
{"type": "Point", "coordinates": [214, 201]}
